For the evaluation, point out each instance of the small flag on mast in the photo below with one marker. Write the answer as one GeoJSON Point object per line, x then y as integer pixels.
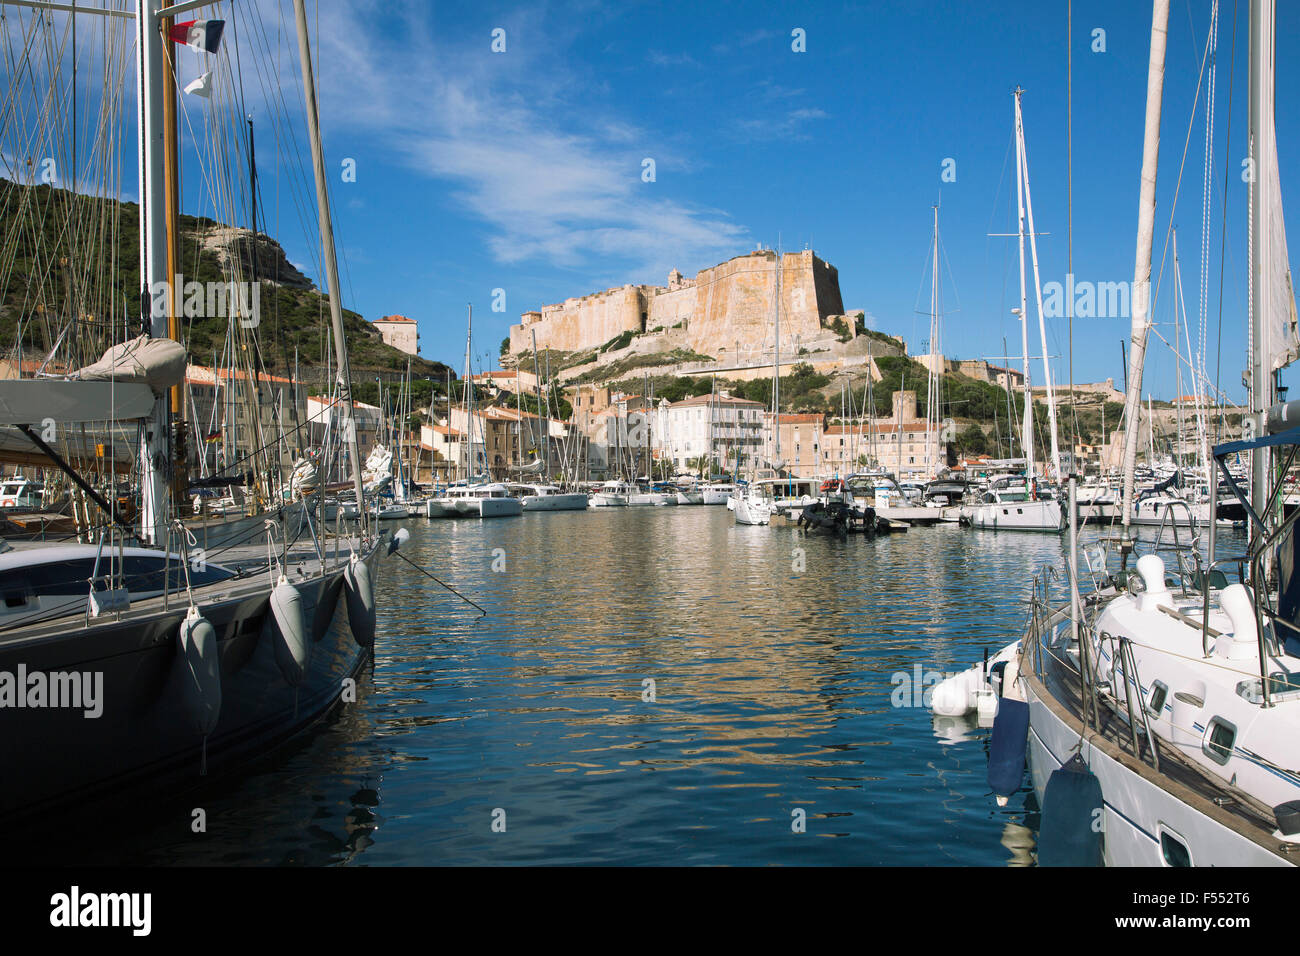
{"type": "Point", "coordinates": [203, 36]}
{"type": "Point", "coordinates": [202, 86]}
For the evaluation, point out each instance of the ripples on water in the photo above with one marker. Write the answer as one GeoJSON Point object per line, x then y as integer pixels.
{"type": "Point", "coordinates": [772, 692]}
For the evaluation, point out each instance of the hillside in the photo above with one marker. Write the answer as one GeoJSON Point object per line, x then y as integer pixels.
{"type": "Point", "coordinates": [53, 264]}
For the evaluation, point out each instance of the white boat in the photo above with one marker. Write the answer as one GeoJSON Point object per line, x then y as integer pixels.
{"type": "Point", "coordinates": [1010, 505]}
{"type": "Point", "coordinates": [1163, 708]}
{"type": "Point", "coordinates": [613, 494]}
{"type": "Point", "coordinates": [20, 492]}
{"type": "Point", "coordinates": [752, 508]}
{"type": "Point", "coordinates": [768, 496]}
{"type": "Point", "coordinates": [548, 498]}
{"type": "Point", "coordinates": [483, 500]}
{"type": "Point", "coordinates": [718, 492]}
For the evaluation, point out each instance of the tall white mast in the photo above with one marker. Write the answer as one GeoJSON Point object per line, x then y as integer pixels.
{"type": "Point", "coordinates": [776, 362]}
{"type": "Point", "coordinates": [1038, 294]}
{"type": "Point", "coordinates": [932, 380]}
{"type": "Point", "coordinates": [467, 400]}
{"type": "Point", "coordinates": [153, 254]}
{"type": "Point", "coordinates": [1141, 295]}
{"type": "Point", "coordinates": [1027, 427]}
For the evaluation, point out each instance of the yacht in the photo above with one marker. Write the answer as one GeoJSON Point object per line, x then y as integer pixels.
{"type": "Point", "coordinates": [1012, 504]}
{"type": "Point", "coordinates": [481, 500]}
{"type": "Point", "coordinates": [718, 492]}
{"type": "Point", "coordinates": [548, 498]}
{"type": "Point", "coordinates": [1158, 705]}
{"type": "Point", "coordinates": [772, 496]}
{"type": "Point", "coordinates": [187, 662]}
{"type": "Point", "coordinates": [20, 492]}
{"type": "Point", "coordinates": [613, 494]}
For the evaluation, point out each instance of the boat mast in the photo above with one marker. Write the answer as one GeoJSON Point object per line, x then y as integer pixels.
{"type": "Point", "coordinates": [1141, 294]}
{"type": "Point", "coordinates": [155, 281]}
{"type": "Point", "coordinates": [1027, 435]}
{"type": "Point", "coordinates": [776, 361]}
{"type": "Point", "coordinates": [467, 401]}
{"type": "Point", "coordinates": [1038, 297]}
{"type": "Point", "coordinates": [331, 263]}
{"type": "Point", "coordinates": [1262, 161]}
{"type": "Point", "coordinates": [171, 209]}
{"type": "Point", "coordinates": [932, 380]}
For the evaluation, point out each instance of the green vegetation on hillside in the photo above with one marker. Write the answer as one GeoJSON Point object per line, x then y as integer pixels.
{"type": "Point", "coordinates": [71, 253]}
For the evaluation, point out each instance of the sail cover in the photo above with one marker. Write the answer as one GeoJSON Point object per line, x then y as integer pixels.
{"type": "Point", "coordinates": [158, 363]}
{"type": "Point", "coordinates": [42, 401]}
{"type": "Point", "coordinates": [1277, 310]}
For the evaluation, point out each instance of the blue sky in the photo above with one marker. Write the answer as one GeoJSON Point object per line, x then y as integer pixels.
{"type": "Point", "coordinates": [522, 170]}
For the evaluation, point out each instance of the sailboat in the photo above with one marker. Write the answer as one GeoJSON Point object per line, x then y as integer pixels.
{"type": "Point", "coordinates": [1167, 696]}
{"type": "Point", "coordinates": [757, 502]}
{"type": "Point", "coordinates": [1010, 504]}
{"type": "Point", "coordinates": [185, 663]}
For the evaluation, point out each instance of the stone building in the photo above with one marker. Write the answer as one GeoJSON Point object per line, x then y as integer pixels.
{"type": "Point", "coordinates": [801, 442]}
{"type": "Point", "coordinates": [724, 429]}
{"type": "Point", "coordinates": [730, 303]}
{"type": "Point", "coordinates": [901, 443]}
{"type": "Point", "coordinates": [399, 332]}
{"type": "Point", "coordinates": [325, 414]}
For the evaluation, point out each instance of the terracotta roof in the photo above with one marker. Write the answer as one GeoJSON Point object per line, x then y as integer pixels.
{"type": "Point", "coordinates": [395, 318]}
{"type": "Point", "coordinates": [202, 375]}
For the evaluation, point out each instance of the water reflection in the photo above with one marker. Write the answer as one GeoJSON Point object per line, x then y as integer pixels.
{"type": "Point", "coordinates": [770, 654]}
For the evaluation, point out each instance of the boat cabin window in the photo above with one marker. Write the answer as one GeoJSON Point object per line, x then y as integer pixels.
{"type": "Point", "coordinates": [1156, 702]}
{"type": "Point", "coordinates": [1173, 850]}
{"type": "Point", "coordinates": [1219, 738]}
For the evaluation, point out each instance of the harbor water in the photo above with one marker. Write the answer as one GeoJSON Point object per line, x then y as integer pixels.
{"type": "Point", "coordinates": [648, 686]}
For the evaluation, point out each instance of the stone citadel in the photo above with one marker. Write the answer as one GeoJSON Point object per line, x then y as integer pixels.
{"type": "Point", "coordinates": [723, 309]}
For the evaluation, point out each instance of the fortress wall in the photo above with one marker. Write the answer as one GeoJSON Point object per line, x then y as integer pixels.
{"type": "Point", "coordinates": [736, 303]}
{"type": "Point", "coordinates": [583, 323]}
{"type": "Point", "coordinates": [826, 281]}
{"type": "Point", "coordinates": [669, 308]}
{"type": "Point", "coordinates": [728, 308]}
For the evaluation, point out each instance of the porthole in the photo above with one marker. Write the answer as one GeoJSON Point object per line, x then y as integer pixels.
{"type": "Point", "coordinates": [1219, 738]}
{"type": "Point", "coordinates": [1173, 850]}
{"type": "Point", "coordinates": [1156, 702]}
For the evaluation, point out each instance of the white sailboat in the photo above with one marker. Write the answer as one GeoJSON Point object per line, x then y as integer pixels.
{"type": "Point", "coordinates": [1026, 508]}
{"type": "Point", "coordinates": [1169, 698]}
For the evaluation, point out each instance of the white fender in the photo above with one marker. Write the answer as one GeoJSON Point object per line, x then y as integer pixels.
{"type": "Point", "coordinates": [201, 671]}
{"type": "Point", "coordinates": [288, 632]}
{"type": "Point", "coordinates": [955, 696]}
{"type": "Point", "coordinates": [361, 601]}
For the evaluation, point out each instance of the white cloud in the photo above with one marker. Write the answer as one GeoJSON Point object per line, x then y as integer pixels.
{"type": "Point", "coordinates": [553, 179]}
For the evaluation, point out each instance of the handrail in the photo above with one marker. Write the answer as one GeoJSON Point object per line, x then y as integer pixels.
{"type": "Point", "coordinates": [1126, 648]}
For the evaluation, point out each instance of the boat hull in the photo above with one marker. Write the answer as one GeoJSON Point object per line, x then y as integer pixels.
{"type": "Point", "coordinates": [1137, 809]}
{"type": "Point", "coordinates": [145, 736]}
{"type": "Point", "coordinates": [1018, 516]}
{"type": "Point", "coordinates": [575, 501]}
